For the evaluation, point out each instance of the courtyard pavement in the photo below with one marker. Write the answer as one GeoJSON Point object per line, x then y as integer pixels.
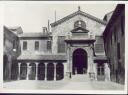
{"type": "Point", "coordinates": [76, 83]}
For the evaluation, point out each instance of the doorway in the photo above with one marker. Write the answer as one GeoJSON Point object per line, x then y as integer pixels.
{"type": "Point", "coordinates": [80, 61]}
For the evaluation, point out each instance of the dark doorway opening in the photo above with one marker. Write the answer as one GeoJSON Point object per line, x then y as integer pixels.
{"type": "Point", "coordinates": [79, 61]}
{"type": "Point", "coordinates": [50, 71]}
{"type": "Point", "coordinates": [41, 71]}
{"type": "Point", "coordinates": [32, 73]}
{"type": "Point", "coordinates": [59, 71]}
{"type": "Point", "coordinates": [23, 71]}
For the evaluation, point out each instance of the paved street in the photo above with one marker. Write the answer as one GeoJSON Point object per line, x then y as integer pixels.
{"type": "Point", "coordinates": [76, 83]}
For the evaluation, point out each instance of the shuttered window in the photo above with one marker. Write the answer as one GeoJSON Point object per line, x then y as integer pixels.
{"type": "Point", "coordinates": [36, 45]}
{"type": "Point", "coordinates": [61, 44]}
{"type": "Point", "coordinates": [24, 45]}
{"type": "Point", "coordinates": [49, 44]}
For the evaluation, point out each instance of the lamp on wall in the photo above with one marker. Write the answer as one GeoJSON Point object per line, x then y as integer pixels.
{"type": "Point", "coordinates": [14, 49]}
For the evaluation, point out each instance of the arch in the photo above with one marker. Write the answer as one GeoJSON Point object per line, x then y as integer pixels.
{"type": "Point", "coordinates": [50, 71]}
{"type": "Point", "coordinates": [41, 71]}
{"type": "Point", "coordinates": [59, 71]}
{"type": "Point", "coordinates": [80, 23]}
{"type": "Point", "coordinates": [32, 71]}
{"type": "Point", "coordinates": [80, 62]}
{"type": "Point", "coordinates": [23, 71]}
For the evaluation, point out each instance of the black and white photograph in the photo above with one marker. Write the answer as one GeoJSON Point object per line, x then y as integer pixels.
{"type": "Point", "coordinates": [64, 46]}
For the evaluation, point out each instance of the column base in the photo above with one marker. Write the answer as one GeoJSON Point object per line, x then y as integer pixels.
{"type": "Point", "coordinates": [36, 78]}
{"type": "Point", "coordinates": [68, 74]}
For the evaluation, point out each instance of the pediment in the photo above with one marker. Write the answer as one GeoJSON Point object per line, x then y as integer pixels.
{"type": "Point", "coordinates": [79, 12]}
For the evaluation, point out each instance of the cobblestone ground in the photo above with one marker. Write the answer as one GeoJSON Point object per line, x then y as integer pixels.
{"type": "Point", "coordinates": [76, 83]}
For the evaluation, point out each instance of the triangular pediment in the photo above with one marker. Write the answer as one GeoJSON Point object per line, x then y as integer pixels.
{"type": "Point", "coordinates": [79, 12]}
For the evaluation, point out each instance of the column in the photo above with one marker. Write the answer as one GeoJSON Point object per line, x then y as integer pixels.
{"type": "Point", "coordinates": [95, 64]}
{"type": "Point", "coordinates": [36, 70]}
{"type": "Point", "coordinates": [55, 70]}
{"type": "Point", "coordinates": [68, 61]}
{"type": "Point", "coordinates": [64, 64]}
{"type": "Point", "coordinates": [45, 71]}
{"type": "Point", "coordinates": [19, 70]}
{"type": "Point", "coordinates": [106, 72]}
{"type": "Point", "coordinates": [28, 70]}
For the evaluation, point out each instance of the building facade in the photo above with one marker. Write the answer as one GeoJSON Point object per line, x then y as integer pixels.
{"type": "Point", "coordinates": [11, 52]}
{"type": "Point", "coordinates": [114, 42]}
{"type": "Point", "coordinates": [73, 46]}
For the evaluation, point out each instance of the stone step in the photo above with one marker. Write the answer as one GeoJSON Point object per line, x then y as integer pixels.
{"type": "Point", "coordinates": [80, 78]}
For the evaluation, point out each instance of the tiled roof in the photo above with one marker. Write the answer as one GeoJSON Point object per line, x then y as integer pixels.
{"type": "Point", "coordinates": [39, 34]}
{"type": "Point", "coordinates": [78, 13]}
{"type": "Point", "coordinates": [42, 57]}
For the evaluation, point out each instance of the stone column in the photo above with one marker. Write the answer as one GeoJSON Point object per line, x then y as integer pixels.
{"type": "Point", "coordinates": [55, 70]}
{"type": "Point", "coordinates": [75, 70]}
{"type": "Point", "coordinates": [36, 70]}
{"type": "Point", "coordinates": [95, 70]}
{"type": "Point", "coordinates": [28, 70]}
{"type": "Point", "coordinates": [107, 72]}
{"type": "Point", "coordinates": [19, 70]}
{"type": "Point", "coordinates": [68, 56]}
{"type": "Point", "coordinates": [45, 71]}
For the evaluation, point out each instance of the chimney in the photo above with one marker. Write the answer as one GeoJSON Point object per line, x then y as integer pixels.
{"type": "Point", "coordinates": [45, 32]}
{"type": "Point", "coordinates": [48, 26]}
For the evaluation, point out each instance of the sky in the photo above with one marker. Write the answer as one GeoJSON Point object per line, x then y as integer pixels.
{"type": "Point", "coordinates": [32, 16]}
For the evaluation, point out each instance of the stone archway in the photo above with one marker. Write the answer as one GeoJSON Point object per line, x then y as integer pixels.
{"type": "Point", "coordinates": [41, 71]}
{"type": "Point", "coordinates": [23, 71]}
{"type": "Point", "coordinates": [32, 72]}
{"type": "Point", "coordinates": [50, 71]}
{"type": "Point", "coordinates": [59, 71]}
{"type": "Point", "coordinates": [80, 61]}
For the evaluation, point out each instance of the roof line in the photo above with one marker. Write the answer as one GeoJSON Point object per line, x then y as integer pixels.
{"type": "Point", "coordinates": [75, 13]}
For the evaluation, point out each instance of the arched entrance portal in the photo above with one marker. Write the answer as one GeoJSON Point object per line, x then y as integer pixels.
{"type": "Point", "coordinates": [80, 61]}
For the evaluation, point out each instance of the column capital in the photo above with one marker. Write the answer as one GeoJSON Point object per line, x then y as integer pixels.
{"type": "Point", "coordinates": [46, 63]}
{"type": "Point", "coordinates": [54, 63]}
{"type": "Point", "coordinates": [19, 63]}
{"type": "Point", "coordinates": [36, 63]}
{"type": "Point", "coordinates": [28, 63]}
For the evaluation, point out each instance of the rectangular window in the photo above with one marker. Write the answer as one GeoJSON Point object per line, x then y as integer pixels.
{"type": "Point", "coordinates": [14, 44]}
{"type": "Point", "coordinates": [49, 45]}
{"type": "Point", "coordinates": [61, 44]}
{"type": "Point", "coordinates": [122, 25]}
{"type": "Point", "coordinates": [25, 45]}
{"type": "Point", "coordinates": [115, 34]}
{"type": "Point", "coordinates": [111, 39]}
{"type": "Point", "coordinates": [36, 45]}
{"type": "Point", "coordinates": [118, 50]}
